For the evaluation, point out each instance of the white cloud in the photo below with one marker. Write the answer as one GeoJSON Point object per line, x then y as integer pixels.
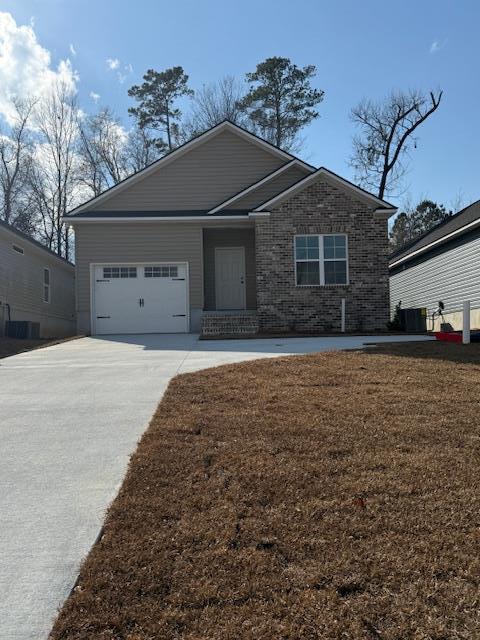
{"type": "Point", "coordinates": [26, 67]}
{"type": "Point", "coordinates": [94, 96]}
{"type": "Point", "coordinates": [73, 51]}
{"type": "Point", "coordinates": [113, 63]}
{"type": "Point", "coordinates": [437, 45]}
{"type": "Point", "coordinates": [122, 70]}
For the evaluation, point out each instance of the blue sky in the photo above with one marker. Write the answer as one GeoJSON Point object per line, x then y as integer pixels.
{"type": "Point", "coordinates": [361, 49]}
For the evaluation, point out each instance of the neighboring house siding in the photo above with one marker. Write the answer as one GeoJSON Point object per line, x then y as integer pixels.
{"type": "Point", "coordinates": [200, 179]}
{"type": "Point", "coordinates": [271, 188]}
{"type": "Point", "coordinates": [322, 208]}
{"type": "Point", "coordinates": [21, 287]}
{"type": "Point", "coordinates": [213, 238]}
{"type": "Point", "coordinates": [452, 276]}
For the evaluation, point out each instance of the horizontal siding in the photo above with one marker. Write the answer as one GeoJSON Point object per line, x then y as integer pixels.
{"type": "Point", "coordinates": [453, 277]}
{"type": "Point", "coordinates": [270, 189]}
{"type": "Point", "coordinates": [213, 238]}
{"type": "Point", "coordinates": [115, 243]}
{"type": "Point", "coordinates": [199, 179]}
{"type": "Point", "coordinates": [21, 281]}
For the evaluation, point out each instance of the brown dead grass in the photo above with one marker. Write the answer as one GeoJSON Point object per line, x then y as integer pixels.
{"type": "Point", "coordinates": [326, 496]}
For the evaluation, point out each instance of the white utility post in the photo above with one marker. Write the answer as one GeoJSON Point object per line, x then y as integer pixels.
{"type": "Point", "coordinates": [343, 316]}
{"type": "Point", "coordinates": [466, 322]}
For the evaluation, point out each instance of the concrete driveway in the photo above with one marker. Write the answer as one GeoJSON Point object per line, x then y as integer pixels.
{"type": "Point", "coordinates": [71, 415]}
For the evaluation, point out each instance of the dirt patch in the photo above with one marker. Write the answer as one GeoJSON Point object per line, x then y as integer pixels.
{"type": "Point", "coordinates": [326, 496]}
{"type": "Point", "coordinates": [12, 346]}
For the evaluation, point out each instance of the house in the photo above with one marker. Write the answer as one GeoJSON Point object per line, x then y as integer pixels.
{"type": "Point", "coordinates": [441, 265]}
{"type": "Point", "coordinates": [36, 285]}
{"type": "Point", "coordinates": [229, 234]}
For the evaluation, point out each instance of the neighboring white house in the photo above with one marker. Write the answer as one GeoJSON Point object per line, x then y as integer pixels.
{"type": "Point", "coordinates": [442, 265]}
{"type": "Point", "coordinates": [35, 285]}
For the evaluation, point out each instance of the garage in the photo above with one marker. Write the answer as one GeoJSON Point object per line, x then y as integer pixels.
{"type": "Point", "coordinates": [140, 298]}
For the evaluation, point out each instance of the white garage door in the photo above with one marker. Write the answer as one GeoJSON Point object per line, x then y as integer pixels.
{"type": "Point", "coordinates": [140, 298]}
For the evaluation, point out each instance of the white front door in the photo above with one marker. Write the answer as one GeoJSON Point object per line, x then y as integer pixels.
{"type": "Point", "coordinates": [140, 298]}
{"type": "Point", "coordinates": [230, 277]}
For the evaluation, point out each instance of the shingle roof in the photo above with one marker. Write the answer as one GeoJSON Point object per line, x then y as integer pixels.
{"type": "Point", "coordinates": [454, 223]}
{"type": "Point", "coordinates": [31, 240]}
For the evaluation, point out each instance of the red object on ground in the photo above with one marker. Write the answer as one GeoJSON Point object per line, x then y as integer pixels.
{"type": "Point", "coordinates": [448, 336]}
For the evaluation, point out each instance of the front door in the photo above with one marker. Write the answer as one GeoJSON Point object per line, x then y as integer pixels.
{"type": "Point", "coordinates": [230, 277]}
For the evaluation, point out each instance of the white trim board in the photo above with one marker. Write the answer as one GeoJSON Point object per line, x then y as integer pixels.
{"type": "Point", "coordinates": [72, 221]}
{"type": "Point", "coordinates": [260, 183]}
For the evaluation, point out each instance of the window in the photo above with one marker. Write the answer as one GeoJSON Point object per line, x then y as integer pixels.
{"type": "Point", "coordinates": [321, 260]}
{"type": "Point", "coordinates": [46, 285]}
{"type": "Point", "coordinates": [119, 272]}
{"type": "Point", "coordinates": [16, 248]}
{"type": "Point", "coordinates": [167, 271]}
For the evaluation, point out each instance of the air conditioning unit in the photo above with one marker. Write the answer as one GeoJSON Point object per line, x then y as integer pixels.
{"type": "Point", "coordinates": [413, 320]}
{"type": "Point", "coordinates": [22, 329]}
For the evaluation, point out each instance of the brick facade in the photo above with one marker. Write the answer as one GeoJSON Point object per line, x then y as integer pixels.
{"type": "Point", "coordinates": [322, 208]}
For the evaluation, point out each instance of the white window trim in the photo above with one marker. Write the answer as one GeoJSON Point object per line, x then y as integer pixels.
{"type": "Point", "coordinates": [47, 286]}
{"type": "Point", "coordinates": [321, 260]}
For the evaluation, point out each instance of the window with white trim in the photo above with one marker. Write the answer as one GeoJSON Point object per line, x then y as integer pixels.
{"type": "Point", "coordinates": [46, 285]}
{"type": "Point", "coordinates": [18, 249]}
{"type": "Point", "coordinates": [321, 259]}
{"type": "Point", "coordinates": [163, 271]}
{"type": "Point", "coordinates": [119, 272]}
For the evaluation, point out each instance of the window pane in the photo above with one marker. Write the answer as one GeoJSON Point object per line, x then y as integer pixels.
{"type": "Point", "coordinates": [308, 273]}
{"type": "Point", "coordinates": [46, 276]}
{"type": "Point", "coordinates": [336, 272]}
{"type": "Point", "coordinates": [334, 247]}
{"type": "Point", "coordinates": [46, 293]}
{"type": "Point", "coordinates": [301, 253]}
{"type": "Point", "coordinates": [306, 248]}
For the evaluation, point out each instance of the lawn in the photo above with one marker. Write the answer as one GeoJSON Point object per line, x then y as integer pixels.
{"type": "Point", "coordinates": [328, 496]}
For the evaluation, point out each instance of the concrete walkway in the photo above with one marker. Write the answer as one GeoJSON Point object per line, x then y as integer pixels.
{"type": "Point", "coordinates": [71, 415]}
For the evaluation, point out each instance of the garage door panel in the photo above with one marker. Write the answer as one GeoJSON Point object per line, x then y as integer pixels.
{"type": "Point", "coordinates": [140, 298]}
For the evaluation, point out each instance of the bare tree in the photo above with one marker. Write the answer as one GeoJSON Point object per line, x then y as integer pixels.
{"type": "Point", "coordinates": [214, 103]}
{"type": "Point", "coordinates": [386, 136]}
{"type": "Point", "coordinates": [103, 151]}
{"type": "Point", "coordinates": [15, 167]}
{"type": "Point", "coordinates": [54, 179]}
{"type": "Point", "coordinates": [142, 149]}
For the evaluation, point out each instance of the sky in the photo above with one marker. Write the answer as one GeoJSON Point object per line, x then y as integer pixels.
{"type": "Point", "coordinates": [361, 50]}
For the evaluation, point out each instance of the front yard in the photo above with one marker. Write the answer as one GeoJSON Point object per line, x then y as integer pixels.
{"type": "Point", "coordinates": [326, 496]}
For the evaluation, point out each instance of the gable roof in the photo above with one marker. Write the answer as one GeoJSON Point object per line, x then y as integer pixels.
{"type": "Point", "coordinates": [256, 185]}
{"type": "Point", "coordinates": [226, 125]}
{"type": "Point", "coordinates": [38, 245]}
{"type": "Point", "coordinates": [454, 226]}
{"type": "Point", "coordinates": [319, 173]}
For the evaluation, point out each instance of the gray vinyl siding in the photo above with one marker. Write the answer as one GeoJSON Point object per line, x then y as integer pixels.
{"type": "Point", "coordinates": [21, 287]}
{"type": "Point", "coordinates": [270, 189]}
{"type": "Point", "coordinates": [452, 276]}
{"type": "Point", "coordinates": [199, 179]}
{"type": "Point", "coordinates": [213, 238]}
{"type": "Point", "coordinates": [141, 242]}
